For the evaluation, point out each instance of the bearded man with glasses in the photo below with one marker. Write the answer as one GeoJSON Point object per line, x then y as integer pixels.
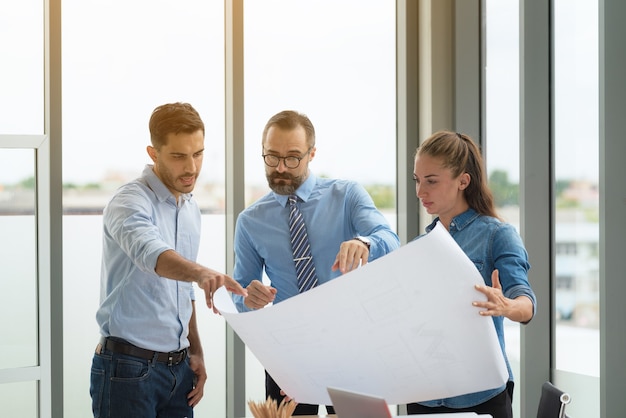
{"type": "Point", "coordinates": [344, 229]}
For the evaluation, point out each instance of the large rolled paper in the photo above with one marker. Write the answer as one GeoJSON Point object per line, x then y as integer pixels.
{"type": "Point", "coordinates": [402, 327]}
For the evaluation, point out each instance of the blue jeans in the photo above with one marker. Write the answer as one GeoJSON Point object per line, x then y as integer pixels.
{"type": "Point", "coordinates": [124, 386]}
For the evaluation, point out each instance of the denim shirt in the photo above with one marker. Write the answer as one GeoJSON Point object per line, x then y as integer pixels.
{"type": "Point", "coordinates": [490, 244]}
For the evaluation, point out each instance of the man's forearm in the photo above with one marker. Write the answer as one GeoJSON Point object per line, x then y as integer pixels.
{"type": "Point", "coordinates": [195, 346]}
{"type": "Point", "coordinates": [174, 266]}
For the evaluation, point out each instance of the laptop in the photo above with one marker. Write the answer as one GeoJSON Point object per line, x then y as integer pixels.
{"type": "Point", "coordinates": [349, 404]}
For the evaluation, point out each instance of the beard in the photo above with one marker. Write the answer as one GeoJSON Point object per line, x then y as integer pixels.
{"type": "Point", "coordinates": [172, 181]}
{"type": "Point", "coordinates": [284, 183]}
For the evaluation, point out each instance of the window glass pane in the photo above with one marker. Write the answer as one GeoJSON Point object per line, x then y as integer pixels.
{"type": "Point", "coordinates": [19, 399]}
{"type": "Point", "coordinates": [335, 62]}
{"type": "Point", "coordinates": [120, 60]}
{"type": "Point", "coordinates": [576, 192]}
{"type": "Point", "coordinates": [342, 77]}
{"type": "Point", "coordinates": [502, 143]}
{"type": "Point", "coordinates": [18, 258]}
{"type": "Point", "coordinates": [21, 84]}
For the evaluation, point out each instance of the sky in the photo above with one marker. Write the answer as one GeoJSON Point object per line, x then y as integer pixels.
{"type": "Point", "coordinates": [338, 68]}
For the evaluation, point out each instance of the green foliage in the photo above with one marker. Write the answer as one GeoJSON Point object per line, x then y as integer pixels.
{"type": "Point", "coordinates": [560, 186]}
{"type": "Point", "coordinates": [564, 203]}
{"type": "Point", "coordinates": [504, 192]}
{"type": "Point", "coordinates": [592, 215]}
{"type": "Point", "coordinates": [383, 195]}
{"type": "Point", "coordinates": [81, 187]}
{"type": "Point", "coordinates": [28, 183]}
{"type": "Point", "coordinates": [92, 186]}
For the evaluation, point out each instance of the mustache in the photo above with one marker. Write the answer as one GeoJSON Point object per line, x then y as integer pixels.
{"type": "Point", "coordinates": [284, 176]}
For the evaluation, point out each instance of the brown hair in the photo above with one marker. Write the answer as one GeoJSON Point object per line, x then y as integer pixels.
{"type": "Point", "coordinates": [173, 118]}
{"type": "Point", "coordinates": [288, 120]}
{"type": "Point", "coordinates": [460, 154]}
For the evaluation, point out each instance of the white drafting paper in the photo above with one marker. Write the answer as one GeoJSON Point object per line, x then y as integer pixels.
{"type": "Point", "coordinates": [402, 327]}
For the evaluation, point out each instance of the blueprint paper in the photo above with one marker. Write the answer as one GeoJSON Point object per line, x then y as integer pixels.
{"type": "Point", "coordinates": [402, 327]}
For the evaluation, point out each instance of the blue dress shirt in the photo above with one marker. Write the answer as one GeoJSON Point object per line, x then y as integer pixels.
{"type": "Point", "coordinates": [490, 244]}
{"type": "Point", "coordinates": [334, 211]}
{"type": "Point", "coordinates": [141, 221]}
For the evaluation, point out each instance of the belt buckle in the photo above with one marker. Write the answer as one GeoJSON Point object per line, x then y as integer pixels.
{"type": "Point", "coordinates": [176, 357]}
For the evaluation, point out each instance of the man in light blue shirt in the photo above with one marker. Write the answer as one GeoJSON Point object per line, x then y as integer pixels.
{"type": "Point", "coordinates": [149, 362]}
{"type": "Point", "coordinates": [345, 229]}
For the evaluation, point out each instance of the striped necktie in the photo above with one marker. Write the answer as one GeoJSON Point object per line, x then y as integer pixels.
{"type": "Point", "coordinates": [305, 268]}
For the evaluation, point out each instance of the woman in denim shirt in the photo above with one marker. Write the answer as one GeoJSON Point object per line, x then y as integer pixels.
{"type": "Point", "coordinates": [450, 182]}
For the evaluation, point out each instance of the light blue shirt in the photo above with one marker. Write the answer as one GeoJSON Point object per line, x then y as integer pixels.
{"type": "Point", "coordinates": [334, 211]}
{"type": "Point", "coordinates": [491, 245]}
{"type": "Point", "coordinates": [141, 221]}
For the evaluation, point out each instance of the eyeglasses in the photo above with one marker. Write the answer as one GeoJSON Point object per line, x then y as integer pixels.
{"type": "Point", "coordinates": [290, 161]}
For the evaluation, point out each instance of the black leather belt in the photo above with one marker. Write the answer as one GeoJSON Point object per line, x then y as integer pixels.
{"type": "Point", "coordinates": [172, 358]}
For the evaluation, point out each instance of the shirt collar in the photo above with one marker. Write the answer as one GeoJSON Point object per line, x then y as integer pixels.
{"type": "Point", "coordinates": [157, 186]}
{"type": "Point", "coordinates": [459, 221]}
{"type": "Point", "coordinates": [303, 192]}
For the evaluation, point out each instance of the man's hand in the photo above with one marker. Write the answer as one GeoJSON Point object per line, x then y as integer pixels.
{"type": "Point", "coordinates": [212, 280]}
{"type": "Point", "coordinates": [351, 254]}
{"type": "Point", "coordinates": [172, 265]}
{"type": "Point", "coordinates": [259, 295]}
{"type": "Point", "coordinates": [197, 365]}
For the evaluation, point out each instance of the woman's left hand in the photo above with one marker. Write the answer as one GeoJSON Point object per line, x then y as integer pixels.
{"type": "Point", "coordinates": [496, 303]}
{"type": "Point", "coordinates": [519, 309]}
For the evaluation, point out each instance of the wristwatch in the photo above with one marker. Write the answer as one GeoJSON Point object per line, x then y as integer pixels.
{"type": "Point", "coordinates": [364, 240]}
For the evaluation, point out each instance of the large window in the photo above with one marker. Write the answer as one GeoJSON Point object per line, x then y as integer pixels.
{"type": "Point", "coordinates": [121, 60]}
{"type": "Point", "coordinates": [19, 347]}
{"type": "Point", "coordinates": [335, 62]}
{"type": "Point", "coordinates": [343, 81]}
{"type": "Point", "coordinates": [21, 107]}
{"type": "Point", "coordinates": [21, 80]}
{"type": "Point", "coordinates": [331, 60]}
{"type": "Point", "coordinates": [577, 192]}
{"type": "Point", "coordinates": [502, 131]}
